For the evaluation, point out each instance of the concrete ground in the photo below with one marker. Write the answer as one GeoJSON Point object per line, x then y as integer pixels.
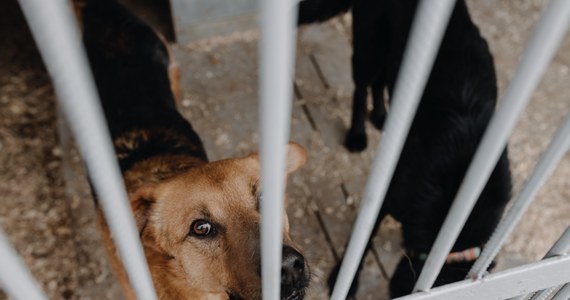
{"type": "Point", "coordinates": [47, 210]}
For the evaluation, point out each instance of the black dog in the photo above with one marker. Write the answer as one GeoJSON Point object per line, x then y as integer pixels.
{"type": "Point", "coordinates": [456, 107]}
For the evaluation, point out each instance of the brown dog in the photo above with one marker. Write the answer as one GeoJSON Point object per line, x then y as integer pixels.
{"type": "Point", "coordinates": [198, 221]}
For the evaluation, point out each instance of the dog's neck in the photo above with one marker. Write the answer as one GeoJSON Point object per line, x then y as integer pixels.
{"type": "Point", "coordinates": [157, 169]}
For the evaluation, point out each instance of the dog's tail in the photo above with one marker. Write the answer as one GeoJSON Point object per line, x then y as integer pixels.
{"type": "Point", "coordinates": [311, 11]}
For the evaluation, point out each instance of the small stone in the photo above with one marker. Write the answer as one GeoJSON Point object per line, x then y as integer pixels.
{"type": "Point", "coordinates": [56, 151]}
{"type": "Point", "coordinates": [64, 231]}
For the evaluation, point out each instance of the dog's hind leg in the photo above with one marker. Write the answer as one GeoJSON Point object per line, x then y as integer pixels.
{"type": "Point", "coordinates": [369, 50]}
{"type": "Point", "coordinates": [378, 114]}
{"type": "Point", "coordinates": [356, 136]}
{"type": "Point", "coordinates": [331, 281]}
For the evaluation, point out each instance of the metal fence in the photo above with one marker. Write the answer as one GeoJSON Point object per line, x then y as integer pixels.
{"type": "Point", "coordinates": [548, 278]}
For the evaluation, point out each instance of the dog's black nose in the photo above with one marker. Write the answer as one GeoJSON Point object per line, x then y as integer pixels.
{"type": "Point", "coordinates": [294, 277]}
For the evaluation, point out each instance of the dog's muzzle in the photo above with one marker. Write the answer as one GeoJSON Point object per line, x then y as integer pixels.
{"type": "Point", "coordinates": [294, 275]}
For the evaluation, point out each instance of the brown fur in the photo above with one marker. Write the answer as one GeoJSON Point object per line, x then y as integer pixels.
{"type": "Point", "coordinates": [223, 192]}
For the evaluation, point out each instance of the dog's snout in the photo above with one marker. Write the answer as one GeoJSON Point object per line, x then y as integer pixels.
{"type": "Point", "coordinates": [293, 266]}
{"type": "Point", "coordinates": [294, 277]}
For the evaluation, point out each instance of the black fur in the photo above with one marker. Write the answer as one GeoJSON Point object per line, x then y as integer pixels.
{"type": "Point", "coordinates": [321, 10]}
{"type": "Point", "coordinates": [455, 109]}
{"type": "Point", "coordinates": [130, 63]}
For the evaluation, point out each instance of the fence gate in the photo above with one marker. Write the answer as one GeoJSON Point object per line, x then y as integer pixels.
{"type": "Point", "coordinates": [53, 27]}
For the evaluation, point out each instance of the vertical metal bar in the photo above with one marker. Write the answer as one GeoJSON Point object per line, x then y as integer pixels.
{"type": "Point", "coordinates": [545, 166]}
{"type": "Point", "coordinates": [559, 248]}
{"type": "Point", "coordinates": [15, 278]}
{"type": "Point", "coordinates": [58, 39]}
{"type": "Point", "coordinates": [425, 37]}
{"type": "Point", "coordinates": [563, 293]}
{"type": "Point", "coordinates": [276, 72]}
{"type": "Point", "coordinates": [542, 47]}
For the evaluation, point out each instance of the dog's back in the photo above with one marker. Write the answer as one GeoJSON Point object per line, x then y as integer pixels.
{"type": "Point", "coordinates": [130, 65]}
{"type": "Point", "coordinates": [456, 107]}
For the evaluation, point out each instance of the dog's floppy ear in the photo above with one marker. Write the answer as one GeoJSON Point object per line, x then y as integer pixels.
{"type": "Point", "coordinates": [141, 202]}
{"type": "Point", "coordinates": [296, 157]}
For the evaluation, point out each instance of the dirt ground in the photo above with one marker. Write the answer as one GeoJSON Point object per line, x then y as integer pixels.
{"type": "Point", "coordinates": [47, 211]}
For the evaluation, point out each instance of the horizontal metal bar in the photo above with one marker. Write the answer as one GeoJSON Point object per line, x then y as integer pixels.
{"type": "Point", "coordinates": [502, 285]}
{"type": "Point", "coordinates": [276, 46]}
{"type": "Point", "coordinates": [15, 278]}
{"type": "Point", "coordinates": [542, 47]}
{"type": "Point", "coordinates": [56, 34]}
{"type": "Point", "coordinates": [544, 168]}
{"type": "Point", "coordinates": [425, 37]}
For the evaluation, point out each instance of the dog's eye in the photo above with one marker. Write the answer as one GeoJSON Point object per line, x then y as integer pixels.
{"type": "Point", "coordinates": [201, 228]}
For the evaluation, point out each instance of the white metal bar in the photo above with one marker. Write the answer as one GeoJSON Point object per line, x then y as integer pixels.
{"type": "Point", "coordinates": [563, 293]}
{"type": "Point", "coordinates": [425, 37]}
{"type": "Point", "coordinates": [58, 39]}
{"type": "Point", "coordinates": [505, 284]}
{"type": "Point", "coordinates": [276, 72]}
{"type": "Point", "coordinates": [545, 166]}
{"type": "Point", "coordinates": [559, 248]}
{"type": "Point", "coordinates": [15, 278]}
{"type": "Point", "coordinates": [542, 47]}
{"type": "Point", "coordinates": [543, 294]}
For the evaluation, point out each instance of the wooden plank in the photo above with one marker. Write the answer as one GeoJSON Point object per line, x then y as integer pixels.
{"type": "Point", "coordinates": [332, 51]}
{"type": "Point", "coordinates": [199, 19]}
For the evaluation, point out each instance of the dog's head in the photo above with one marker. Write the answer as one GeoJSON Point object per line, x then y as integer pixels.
{"type": "Point", "coordinates": [201, 230]}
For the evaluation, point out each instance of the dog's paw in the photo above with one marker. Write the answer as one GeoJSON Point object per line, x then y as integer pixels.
{"type": "Point", "coordinates": [355, 141]}
{"type": "Point", "coordinates": [377, 118]}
